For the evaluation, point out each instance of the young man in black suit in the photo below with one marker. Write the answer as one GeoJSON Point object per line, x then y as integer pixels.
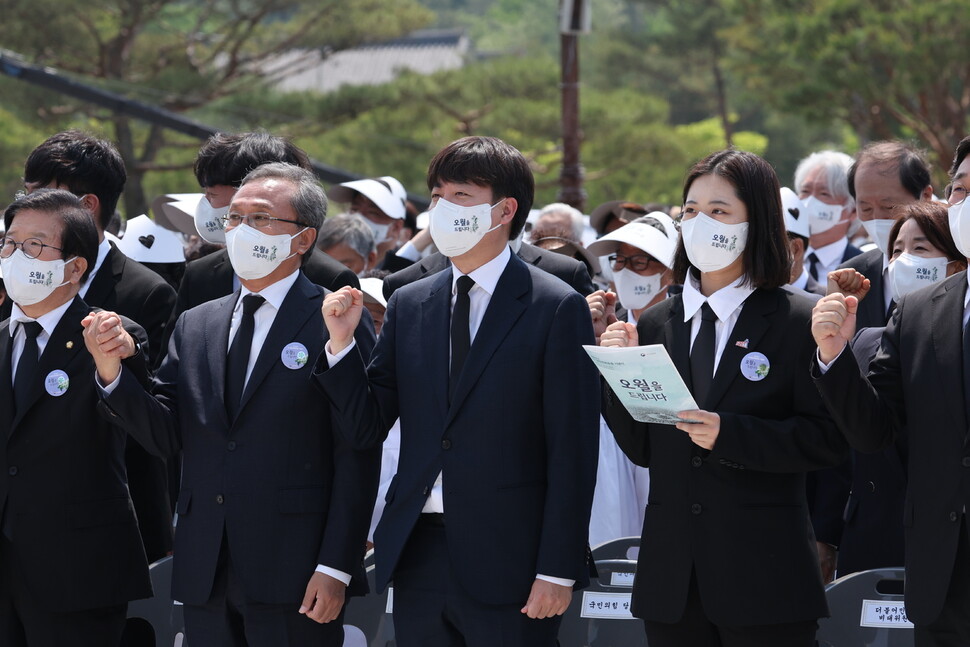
{"type": "Point", "coordinates": [93, 170]}
{"type": "Point", "coordinates": [70, 554]}
{"type": "Point", "coordinates": [274, 507]}
{"type": "Point", "coordinates": [484, 531]}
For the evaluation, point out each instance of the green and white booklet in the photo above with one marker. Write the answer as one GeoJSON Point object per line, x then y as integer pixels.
{"type": "Point", "coordinates": [645, 381]}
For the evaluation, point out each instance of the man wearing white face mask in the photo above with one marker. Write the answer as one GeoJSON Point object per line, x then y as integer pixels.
{"type": "Point", "coordinates": [64, 461]}
{"type": "Point", "coordinates": [274, 507]}
{"type": "Point", "coordinates": [484, 531]}
{"type": "Point", "coordinates": [380, 208]}
{"type": "Point", "coordinates": [821, 182]}
{"type": "Point", "coordinates": [884, 177]}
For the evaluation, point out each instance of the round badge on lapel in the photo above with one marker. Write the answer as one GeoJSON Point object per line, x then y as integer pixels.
{"type": "Point", "coordinates": [294, 356]}
{"type": "Point", "coordinates": [755, 366]}
{"type": "Point", "coordinates": [56, 383]}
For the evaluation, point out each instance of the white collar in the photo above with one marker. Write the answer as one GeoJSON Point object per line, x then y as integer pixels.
{"type": "Point", "coordinates": [828, 254]}
{"type": "Point", "coordinates": [485, 276]}
{"type": "Point", "coordinates": [723, 302]}
{"type": "Point", "coordinates": [274, 294]}
{"type": "Point", "coordinates": [47, 321]}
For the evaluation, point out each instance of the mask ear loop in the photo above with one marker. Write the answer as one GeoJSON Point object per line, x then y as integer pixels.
{"type": "Point", "coordinates": [291, 238]}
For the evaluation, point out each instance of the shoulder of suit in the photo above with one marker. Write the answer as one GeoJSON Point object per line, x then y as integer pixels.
{"type": "Point", "coordinates": [135, 271]}
{"type": "Point", "coordinates": [545, 282]}
{"type": "Point", "coordinates": [870, 261]}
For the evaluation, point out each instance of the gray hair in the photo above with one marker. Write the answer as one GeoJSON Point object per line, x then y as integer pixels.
{"type": "Point", "coordinates": [309, 200]}
{"type": "Point", "coordinates": [350, 229]}
{"type": "Point", "coordinates": [575, 217]}
{"type": "Point", "coordinates": [835, 168]}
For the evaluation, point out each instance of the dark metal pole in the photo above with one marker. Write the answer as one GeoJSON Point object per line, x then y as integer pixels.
{"type": "Point", "coordinates": [571, 176]}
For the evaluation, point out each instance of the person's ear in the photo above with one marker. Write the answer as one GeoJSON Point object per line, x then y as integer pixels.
{"type": "Point", "coordinates": [76, 269]}
{"type": "Point", "coordinates": [509, 208]}
{"type": "Point", "coordinates": [305, 240]}
{"type": "Point", "coordinates": [927, 193]}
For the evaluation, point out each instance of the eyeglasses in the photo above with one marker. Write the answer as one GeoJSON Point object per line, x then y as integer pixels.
{"type": "Point", "coordinates": [257, 220]}
{"type": "Point", "coordinates": [32, 247]}
{"type": "Point", "coordinates": [636, 263]}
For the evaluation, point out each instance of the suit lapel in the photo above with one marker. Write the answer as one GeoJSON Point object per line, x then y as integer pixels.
{"type": "Point", "coordinates": [947, 330]}
{"type": "Point", "coordinates": [217, 348]}
{"type": "Point", "coordinates": [6, 380]}
{"type": "Point", "coordinates": [62, 349]}
{"type": "Point", "coordinates": [677, 336]}
{"type": "Point", "coordinates": [751, 326]}
{"type": "Point", "coordinates": [301, 302]}
{"type": "Point", "coordinates": [220, 283]}
{"type": "Point", "coordinates": [102, 287]}
{"type": "Point", "coordinates": [436, 328]}
{"type": "Point", "coordinates": [504, 309]}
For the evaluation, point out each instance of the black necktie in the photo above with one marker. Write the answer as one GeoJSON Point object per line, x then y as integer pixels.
{"type": "Point", "coordinates": [889, 310]}
{"type": "Point", "coordinates": [702, 356]}
{"type": "Point", "coordinates": [27, 365]}
{"type": "Point", "coordinates": [238, 359]}
{"type": "Point", "coordinates": [813, 264]}
{"type": "Point", "coordinates": [461, 338]}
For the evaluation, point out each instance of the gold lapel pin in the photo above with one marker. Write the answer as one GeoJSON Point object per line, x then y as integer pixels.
{"type": "Point", "coordinates": [70, 345]}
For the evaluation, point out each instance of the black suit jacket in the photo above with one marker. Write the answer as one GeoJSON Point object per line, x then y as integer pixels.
{"type": "Point", "coordinates": [872, 309]}
{"type": "Point", "coordinates": [736, 515]}
{"type": "Point", "coordinates": [63, 482]}
{"type": "Point", "coordinates": [287, 492]}
{"type": "Point", "coordinates": [516, 445]}
{"type": "Point", "coordinates": [130, 289]}
{"type": "Point", "coordinates": [573, 272]}
{"type": "Point", "coordinates": [914, 389]}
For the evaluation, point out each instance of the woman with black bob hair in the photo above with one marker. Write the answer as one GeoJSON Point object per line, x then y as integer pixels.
{"type": "Point", "coordinates": [727, 553]}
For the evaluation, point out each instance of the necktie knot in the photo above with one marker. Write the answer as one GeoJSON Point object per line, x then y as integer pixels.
{"type": "Point", "coordinates": [251, 303]}
{"type": "Point", "coordinates": [32, 329]}
{"type": "Point", "coordinates": [465, 284]}
{"type": "Point", "coordinates": [707, 313]}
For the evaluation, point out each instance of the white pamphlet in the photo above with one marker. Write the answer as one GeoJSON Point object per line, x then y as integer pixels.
{"type": "Point", "coordinates": [645, 381]}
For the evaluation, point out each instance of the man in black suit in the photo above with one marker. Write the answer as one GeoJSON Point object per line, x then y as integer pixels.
{"type": "Point", "coordinates": [484, 531]}
{"type": "Point", "coordinates": [93, 170]}
{"type": "Point", "coordinates": [913, 390]}
{"type": "Point", "coordinates": [823, 175]}
{"type": "Point", "coordinates": [274, 507]}
{"type": "Point", "coordinates": [222, 163]}
{"type": "Point", "coordinates": [70, 554]}
{"type": "Point", "coordinates": [569, 270]}
{"type": "Point", "coordinates": [884, 176]}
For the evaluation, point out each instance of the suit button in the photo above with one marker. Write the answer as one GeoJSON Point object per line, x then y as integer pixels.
{"type": "Point", "coordinates": [12, 471]}
{"type": "Point", "coordinates": [872, 486]}
{"type": "Point", "coordinates": [220, 499]}
{"type": "Point", "coordinates": [231, 446]}
{"type": "Point", "coordinates": [966, 461]}
{"type": "Point", "coordinates": [427, 491]}
{"type": "Point", "coordinates": [696, 508]}
{"type": "Point", "coordinates": [953, 516]}
{"type": "Point", "coordinates": [696, 461]}
{"type": "Point", "coordinates": [445, 444]}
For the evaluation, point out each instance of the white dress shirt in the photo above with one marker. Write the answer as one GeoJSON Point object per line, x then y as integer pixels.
{"type": "Point", "coordinates": [829, 257]}
{"type": "Point", "coordinates": [103, 248]}
{"type": "Point", "coordinates": [47, 321]}
{"type": "Point", "coordinates": [726, 304]}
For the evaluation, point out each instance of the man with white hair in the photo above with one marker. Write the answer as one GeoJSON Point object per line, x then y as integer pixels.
{"type": "Point", "coordinates": [348, 239]}
{"type": "Point", "coordinates": [821, 179]}
{"type": "Point", "coordinates": [563, 217]}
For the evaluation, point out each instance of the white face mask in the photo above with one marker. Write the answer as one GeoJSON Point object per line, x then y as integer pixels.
{"type": "Point", "coordinates": [821, 216]}
{"type": "Point", "coordinates": [959, 218]}
{"type": "Point", "coordinates": [634, 290]}
{"type": "Point", "coordinates": [254, 254]}
{"type": "Point", "coordinates": [908, 273]}
{"type": "Point", "coordinates": [712, 245]}
{"type": "Point", "coordinates": [31, 280]}
{"type": "Point", "coordinates": [456, 229]}
{"type": "Point", "coordinates": [208, 222]}
{"type": "Point", "coordinates": [380, 231]}
{"type": "Point", "coordinates": [878, 230]}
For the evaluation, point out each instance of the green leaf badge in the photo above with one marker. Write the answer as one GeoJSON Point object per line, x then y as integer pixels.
{"type": "Point", "coordinates": [755, 367]}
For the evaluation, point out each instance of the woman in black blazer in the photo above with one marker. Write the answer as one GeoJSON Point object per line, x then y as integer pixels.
{"type": "Point", "coordinates": [727, 553]}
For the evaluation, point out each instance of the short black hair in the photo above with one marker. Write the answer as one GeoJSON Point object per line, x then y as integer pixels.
{"type": "Point", "coordinates": [766, 257]}
{"type": "Point", "coordinates": [82, 163]}
{"type": "Point", "coordinates": [963, 148]}
{"type": "Point", "coordinates": [225, 158]}
{"type": "Point", "coordinates": [79, 236]}
{"type": "Point", "coordinates": [487, 162]}
{"type": "Point", "coordinates": [914, 173]}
